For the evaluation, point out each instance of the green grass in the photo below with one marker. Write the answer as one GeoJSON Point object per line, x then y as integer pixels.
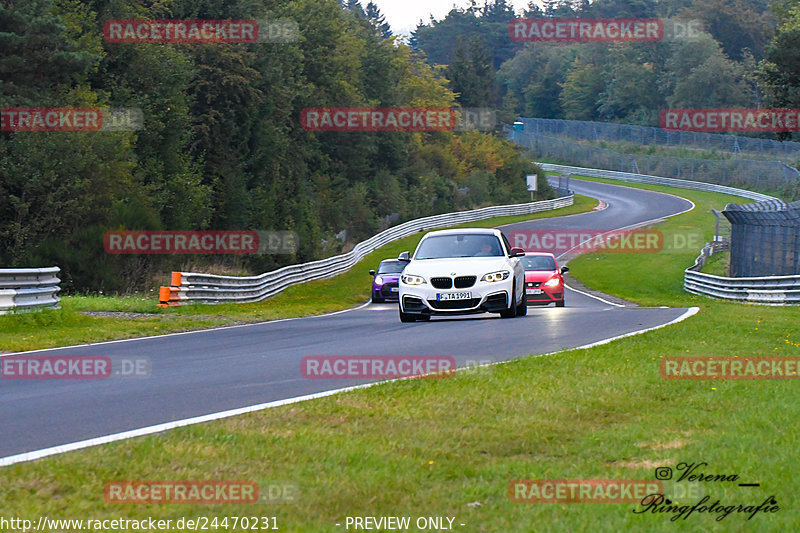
{"type": "Point", "coordinates": [431, 447]}
{"type": "Point", "coordinates": [68, 325]}
{"type": "Point", "coordinates": [434, 447]}
{"type": "Point", "coordinates": [685, 151]}
{"type": "Point", "coordinates": [658, 276]}
{"type": "Point", "coordinates": [717, 264]}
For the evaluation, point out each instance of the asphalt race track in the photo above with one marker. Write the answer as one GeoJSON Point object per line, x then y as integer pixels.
{"type": "Point", "coordinates": [215, 370]}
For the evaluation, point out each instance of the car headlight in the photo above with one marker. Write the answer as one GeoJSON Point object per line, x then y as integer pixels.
{"type": "Point", "coordinates": [496, 276]}
{"type": "Point", "coordinates": [378, 280]}
{"type": "Point", "coordinates": [411, 279]}
{"type": "Point", "coordinates": [555, 282]}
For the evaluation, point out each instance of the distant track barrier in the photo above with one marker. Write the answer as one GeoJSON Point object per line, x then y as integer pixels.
{"type": "Point", "coordinates": [656, 180]}
{"type": "Point", "coordinates": [192, 287]}
{"type": "Point", "coordinates": [772, 290]}
{"type": "Point", "coordinates": [24, 289]}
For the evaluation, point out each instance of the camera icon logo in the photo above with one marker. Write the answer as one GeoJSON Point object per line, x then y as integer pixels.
{"type": "Point", "coordinates": [663, 473]}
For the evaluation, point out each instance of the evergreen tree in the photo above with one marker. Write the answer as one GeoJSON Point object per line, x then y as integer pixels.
{"type": "Point", "coordinates": [377, 19]}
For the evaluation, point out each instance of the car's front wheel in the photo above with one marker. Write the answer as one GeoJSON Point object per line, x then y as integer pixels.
{"type": "Point", "coordinates": [377, 300]}
{"type": "Point", "coordinates": [511, 312]}
{"type": "Point", "coordinates": [522, 310]}
{"type": "Point", "coordinates": [411, 317]}
{"type": "Point", "coordinates": [407, 317]}
{"type": "Point", "coordinates": [560, 303]}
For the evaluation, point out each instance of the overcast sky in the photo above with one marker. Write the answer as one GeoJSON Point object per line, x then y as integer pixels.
{"type": "Point", "coordinates": [403, 15]}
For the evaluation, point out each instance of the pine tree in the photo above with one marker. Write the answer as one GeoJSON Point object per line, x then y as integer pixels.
{"type": "Point", "coordinates": [378, 20]}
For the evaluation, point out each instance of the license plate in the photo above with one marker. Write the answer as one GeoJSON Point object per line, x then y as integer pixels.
{"type": "Point", "coordinates": [534, 291]}
{"type": "Point", "coordinates": [444, 296]}
{"type": "Point", "coordinates": [394, 289]}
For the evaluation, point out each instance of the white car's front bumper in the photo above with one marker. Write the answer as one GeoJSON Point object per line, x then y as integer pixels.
{"type": "Point", "coordinates": [483, 297]}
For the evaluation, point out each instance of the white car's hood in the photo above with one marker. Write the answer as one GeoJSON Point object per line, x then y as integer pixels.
{"type": "Point", "coordinates": [461, 266]}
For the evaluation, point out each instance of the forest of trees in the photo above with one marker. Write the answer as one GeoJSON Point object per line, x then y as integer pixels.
{"type": "Point", "coordinates": [222, 145]}
{"type": "Point", "coordinates": [747, 56]}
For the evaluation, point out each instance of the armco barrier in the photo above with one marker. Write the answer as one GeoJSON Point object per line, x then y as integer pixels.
{"type": "Point", "coordinates": [764, 290]}
{"type": "Point", "coordinates": [207, 288]}
{"type": "Point", "coordinates": [657, 180]}
{"type": "Point", "coordinates": [775, 290]}
{"type": "Point", "coordinates": [28, 288]}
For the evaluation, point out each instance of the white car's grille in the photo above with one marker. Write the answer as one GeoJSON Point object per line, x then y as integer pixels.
{"type": "Point", "coordinates": [442, 283]}
{"type": "Point", "coordinates": [461, 282]}
{"type": "Point", "coordinates": [465, 282]}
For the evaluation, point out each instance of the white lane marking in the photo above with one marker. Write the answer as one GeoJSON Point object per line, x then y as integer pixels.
{"type": "Point", "coordinates": [63, 448]}
{"type": "Point", "coordinates": [188, 332]}
{"type": "Point", "coordinates": [73, 446]}
{"type": "Point", "coordinates": [631, 226]}
{"type": "Point", "coordinates": [688, 313]}
{"type": "Point", "coordinates": [636, 225]}
{"type": "Point", "coordinates": [593, 296]}
{"type": "Point", "coordinates": [648, 190]}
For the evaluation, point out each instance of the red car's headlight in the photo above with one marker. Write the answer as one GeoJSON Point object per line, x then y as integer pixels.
{"type": "Point", "coordinates": [555, 282]}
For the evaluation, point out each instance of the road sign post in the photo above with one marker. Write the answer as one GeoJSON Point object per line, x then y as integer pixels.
{"type": "Point", "coordinates": [532, 182]}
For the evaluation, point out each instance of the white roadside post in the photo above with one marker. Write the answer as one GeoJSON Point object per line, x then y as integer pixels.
{"type": "Point", "coordinates": [532, 184]}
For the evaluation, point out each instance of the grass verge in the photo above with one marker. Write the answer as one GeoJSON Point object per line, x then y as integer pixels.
{"type": "Point", "coordinates": [71, 325]}
{"type": "Point", "coordinates": [718, 264]}
{"type": "Point", "coordinates": [652, 278]}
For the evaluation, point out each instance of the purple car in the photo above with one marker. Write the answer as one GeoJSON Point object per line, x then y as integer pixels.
{"type": "Point", "coordinates": [384, 281]}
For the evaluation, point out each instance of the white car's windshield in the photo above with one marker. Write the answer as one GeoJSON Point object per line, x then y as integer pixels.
{"type": "Point", "coordinates": [459, 245]}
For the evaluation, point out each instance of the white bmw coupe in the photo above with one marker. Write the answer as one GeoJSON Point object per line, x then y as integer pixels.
{"type": "Point", "coordinates": [462, 271]}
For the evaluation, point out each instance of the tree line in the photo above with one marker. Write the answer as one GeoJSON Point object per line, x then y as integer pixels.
{"type": "Point", "coordinates": [222, 145]}
{"type": "Point", "coordinates": [744, 55]}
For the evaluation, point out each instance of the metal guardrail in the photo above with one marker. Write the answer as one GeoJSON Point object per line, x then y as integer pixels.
{"type": "Point", "coordinates": [644, 178]}
{"type": "Point", "coordinates": [208, 288]}
{"type": "Point", "coordinates": [775, 290]}
{"type": "Point", "coordinates": [745, 173]}
{"type": "Point", "coordinates": [28, 288]}
{"type": "Point", "coordinates": [761, 290]}
{"type": "Point", "coordinates": [648, 135]}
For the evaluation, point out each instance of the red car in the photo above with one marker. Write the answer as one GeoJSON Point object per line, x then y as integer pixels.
{"type": "Point", "coordinates": [544, 282]}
